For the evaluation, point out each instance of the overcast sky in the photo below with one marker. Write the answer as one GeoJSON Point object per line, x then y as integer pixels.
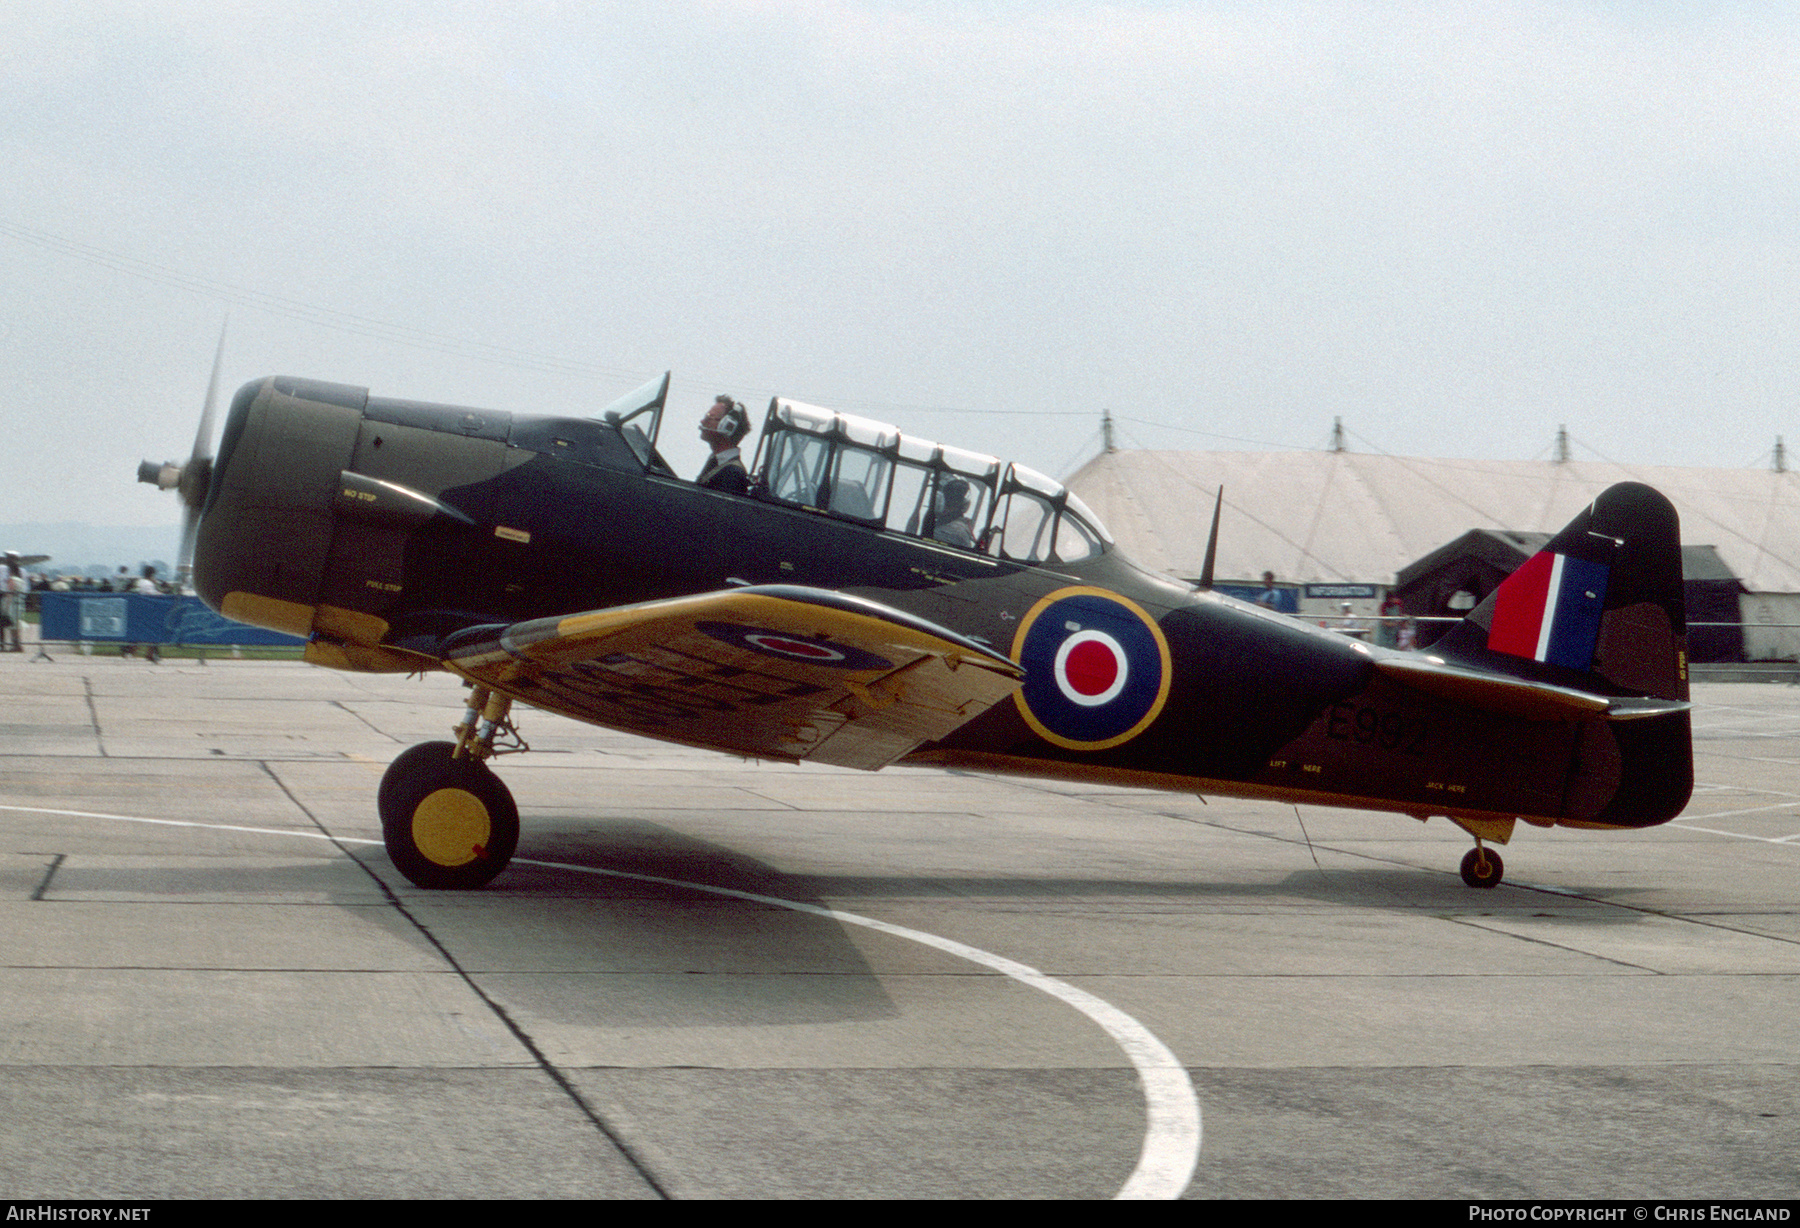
{"type": "Point", "coordinates": [1453, 225]}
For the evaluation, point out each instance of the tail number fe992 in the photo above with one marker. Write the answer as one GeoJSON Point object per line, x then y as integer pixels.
{"type": "Point", "coordinates": [1369, 726]}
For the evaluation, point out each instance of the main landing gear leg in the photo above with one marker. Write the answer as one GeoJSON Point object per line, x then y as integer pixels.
{"type": "Point", "coordinates": [1482, 867]}
{"type": "Point", "coordinates": [447, 820]}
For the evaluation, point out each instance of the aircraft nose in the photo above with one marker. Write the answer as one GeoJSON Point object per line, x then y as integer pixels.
{"type": "Point", "coordinates": [284, 445]}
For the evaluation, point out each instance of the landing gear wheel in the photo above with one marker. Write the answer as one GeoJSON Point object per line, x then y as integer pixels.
{"type": "Point", "coordinates": [1482, 867]}
{"type": "Point", "coordinates": [449, 823]}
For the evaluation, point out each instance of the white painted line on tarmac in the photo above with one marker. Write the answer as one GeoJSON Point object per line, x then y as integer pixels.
{"type": "Point", "coordinates": [134, 818]}
{"type": "Point", "coordinates": [1172, 1134]}
{"type": "Point", "coordinates": [1732, 814]}
{"type": "Point", "coordinates": [1736, 835]}
{"type": "Point", "coordinates": [1682, 822]}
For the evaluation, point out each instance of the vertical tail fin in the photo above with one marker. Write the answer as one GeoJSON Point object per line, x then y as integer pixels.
{"type": "Point", "coordinates": [1599, 607]}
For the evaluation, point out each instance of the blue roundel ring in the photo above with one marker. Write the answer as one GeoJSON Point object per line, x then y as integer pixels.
{"type": "Point", "coordinates": [1096, 669]}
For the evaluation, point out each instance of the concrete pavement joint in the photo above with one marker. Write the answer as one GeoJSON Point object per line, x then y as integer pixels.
{"type": "Point", "coordinates": [499, 1012]}
{"type": "Point", "coordinates": [631, 1154]}
{"type": "Point", "coordinates": [342, 706]}
{"type": "Point", "coordinates": [1474, 923]}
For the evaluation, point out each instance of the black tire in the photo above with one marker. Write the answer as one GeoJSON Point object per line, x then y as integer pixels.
{"type": "Point", "coordinates": [449, 824]}
{"type": "Point", "coordinates": [1482, 868]}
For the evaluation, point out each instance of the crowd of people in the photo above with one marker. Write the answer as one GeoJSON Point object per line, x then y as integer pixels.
{"type": "Point", "coordinates": [146, 580]}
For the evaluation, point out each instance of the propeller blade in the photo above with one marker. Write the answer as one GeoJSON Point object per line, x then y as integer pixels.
{"type": "Point", "coordinates": [196, 475]}
{"type": "Point", "coordinates": [191, 480]}
{"type": "Point", "coordinates": [184, 557]}
{"type": "Point", "coordinates": [203, 437]}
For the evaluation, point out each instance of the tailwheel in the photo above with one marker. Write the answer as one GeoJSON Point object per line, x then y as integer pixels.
{"type": "Point", "coordinates": [1482, 867]}
{"type": "Point", "coordinates": [448, 823]}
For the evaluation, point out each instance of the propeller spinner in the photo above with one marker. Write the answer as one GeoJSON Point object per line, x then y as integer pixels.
{"type": "Point", "coordinates": [192, 477]}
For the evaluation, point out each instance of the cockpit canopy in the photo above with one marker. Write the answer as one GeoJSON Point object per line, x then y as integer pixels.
{"type": "Point", "coordinates": [868, 472]}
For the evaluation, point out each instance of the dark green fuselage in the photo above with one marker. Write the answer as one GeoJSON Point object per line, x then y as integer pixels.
{"type": "Point", "coordinates": [390, 525]}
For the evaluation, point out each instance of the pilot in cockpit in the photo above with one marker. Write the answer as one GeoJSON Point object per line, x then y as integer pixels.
{"type": "Point", "coordinates": [952, 526]}
{"type": "Point", "coordinates": [723, 428]}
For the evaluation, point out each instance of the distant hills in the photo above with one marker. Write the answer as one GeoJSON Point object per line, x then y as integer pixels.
{"type": "Point", "coordinates": [76, 547]}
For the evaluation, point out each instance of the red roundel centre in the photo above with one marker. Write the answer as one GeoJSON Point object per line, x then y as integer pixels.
{"type": "Point", "coordinates": [1091, 668]}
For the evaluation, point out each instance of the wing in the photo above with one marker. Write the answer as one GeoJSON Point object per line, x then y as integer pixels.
{"type": "Point", "coordinates": [775, 672]}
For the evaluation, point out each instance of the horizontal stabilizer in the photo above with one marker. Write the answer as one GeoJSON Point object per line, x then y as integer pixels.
{"type": "Point", "coordinates": [1520, 697]}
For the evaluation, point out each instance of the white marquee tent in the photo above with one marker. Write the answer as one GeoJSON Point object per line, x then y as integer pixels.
{"type": "Point", "coordinates": [1355, 517]}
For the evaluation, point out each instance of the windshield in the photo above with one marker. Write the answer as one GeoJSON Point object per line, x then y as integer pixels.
{"type": "Point", "coordinates": [638, 417]}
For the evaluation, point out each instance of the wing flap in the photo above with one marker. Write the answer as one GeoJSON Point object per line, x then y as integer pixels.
{"type": "Point", "coordinates": [777, 672]}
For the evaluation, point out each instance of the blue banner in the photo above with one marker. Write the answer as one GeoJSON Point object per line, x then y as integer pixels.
{"type": "Point", "coordinates": [139, 618]}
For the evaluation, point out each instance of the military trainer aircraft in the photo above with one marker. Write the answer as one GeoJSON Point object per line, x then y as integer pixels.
{"type": "Point", "coordinates": [874, 598]}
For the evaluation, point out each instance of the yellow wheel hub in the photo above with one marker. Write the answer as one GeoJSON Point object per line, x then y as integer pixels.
{"type": "Point", "coordinates": [451, 827]}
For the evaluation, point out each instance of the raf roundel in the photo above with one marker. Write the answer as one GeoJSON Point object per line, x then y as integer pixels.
{"type": "Point", "coordinates": [1096, 669]}
{"type": "Point", "coordinates": [788, 646]}
{"type": "Point", "coordinates": [810, 649]}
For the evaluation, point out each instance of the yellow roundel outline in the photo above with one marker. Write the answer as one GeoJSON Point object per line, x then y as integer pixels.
{"type": "Point", "coordinates": [450, 827]}
{"type": "Point", "coordinates": [1162, 648]}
